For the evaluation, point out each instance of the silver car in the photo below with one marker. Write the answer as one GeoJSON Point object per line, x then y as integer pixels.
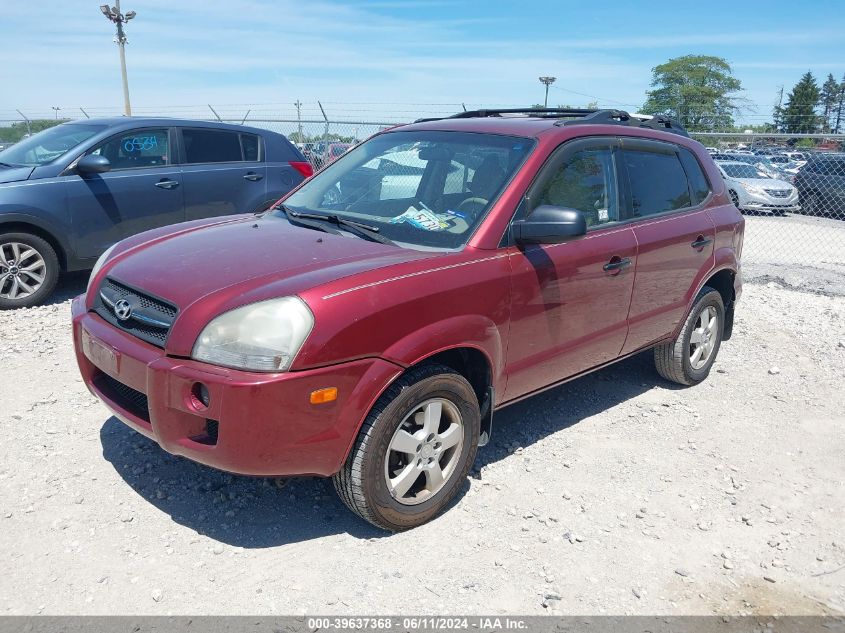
{"type": "Point", "coordinates": [753, 190]}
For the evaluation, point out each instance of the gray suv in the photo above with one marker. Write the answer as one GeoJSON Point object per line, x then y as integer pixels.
{"type": "Point", "coordinates": [821, 185]}
{"type": "Point", "coordinates": [69, 193]}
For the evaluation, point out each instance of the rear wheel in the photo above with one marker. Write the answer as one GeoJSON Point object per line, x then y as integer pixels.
{"type": "Point", "coordinates": [687, 359]}
{"type": "Point", "coordinates": [413, 451]}
{"type": "Point", "coordinates": [29, 270]}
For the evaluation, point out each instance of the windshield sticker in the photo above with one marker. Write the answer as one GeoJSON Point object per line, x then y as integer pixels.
{"type": "Point", "coordinates": [421, 219]}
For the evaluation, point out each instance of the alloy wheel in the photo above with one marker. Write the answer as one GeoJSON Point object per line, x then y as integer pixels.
{"type": "Point", "coordinates": [22, 270]}
{"type": "Point", "coordinates": [703, 338]}
{"type": "Point", "coordinates": [424, 451]}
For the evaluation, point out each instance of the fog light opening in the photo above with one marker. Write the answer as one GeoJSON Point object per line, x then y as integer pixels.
{"type": "Point", "coordinates": [200, 396]}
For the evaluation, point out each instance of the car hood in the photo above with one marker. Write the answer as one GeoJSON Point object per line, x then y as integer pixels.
{"type": "Point", "coordinates": [210, 268]}
{"type": "Point", "coordinates": [14, 174]}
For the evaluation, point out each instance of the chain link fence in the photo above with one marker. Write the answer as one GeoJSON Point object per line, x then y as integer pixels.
{"type": "Point", "coordinates": [791, 188]}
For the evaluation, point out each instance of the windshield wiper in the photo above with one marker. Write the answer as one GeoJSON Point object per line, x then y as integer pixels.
{"type": "Point", "coordinates": [8, 165]}
{"type": "Point", "coordinates": [367, 231]}
{"type": "Point", "coordinates": [294, 218]}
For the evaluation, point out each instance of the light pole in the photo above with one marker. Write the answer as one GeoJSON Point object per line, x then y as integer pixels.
{"type": "Point", "coordinates": [113, 14]}
{"type": "Point", "coordinates": [56, 110]}
{"type": "Point", "coordinates": [548, 81]}
{"type": "Point", "coordinates": [298, 105]}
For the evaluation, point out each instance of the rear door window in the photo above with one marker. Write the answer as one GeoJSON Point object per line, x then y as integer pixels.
{"type": "Point", "coordinates": [249, 146]}
{"type": "Point", "coordinates": [657, 181]}
{"type": "Point", "coordinates": [211, 146]}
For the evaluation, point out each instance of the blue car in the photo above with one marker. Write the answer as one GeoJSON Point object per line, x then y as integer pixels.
{"type": "Point", "coordinates": [67, 194]}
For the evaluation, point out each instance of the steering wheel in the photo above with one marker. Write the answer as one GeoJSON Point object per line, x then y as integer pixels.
{"type": "Point", "coordinates": [474, 200]}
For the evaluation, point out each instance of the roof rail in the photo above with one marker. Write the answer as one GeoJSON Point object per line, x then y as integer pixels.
{"type": "Point", "coordinates": [576, 116]}
{"type": "Point", "coordinates": [542, 112]}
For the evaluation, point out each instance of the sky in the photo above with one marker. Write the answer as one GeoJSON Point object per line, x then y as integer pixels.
{"type": "Point", "coordinates": [394, 60]}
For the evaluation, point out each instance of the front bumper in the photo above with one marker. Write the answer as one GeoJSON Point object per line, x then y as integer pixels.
{"type": "Point", "coordinates": [254, 424]}
{"type": "Point", "coordinates": [772, 204]}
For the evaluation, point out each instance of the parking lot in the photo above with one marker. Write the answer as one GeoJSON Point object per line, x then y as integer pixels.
{"type": "Point", "coordinates": [616, 493]}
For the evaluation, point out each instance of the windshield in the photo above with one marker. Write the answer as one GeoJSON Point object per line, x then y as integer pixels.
{"type": "Point", "coordinates": [743, 171]}
{"type": "Point", "coordinates": [421, 189]}
{"type": "Point", "coordinates": [48, 145]}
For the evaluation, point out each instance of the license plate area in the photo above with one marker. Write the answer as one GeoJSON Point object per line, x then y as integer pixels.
{"type": "Point", "coordinates": [104, 356]}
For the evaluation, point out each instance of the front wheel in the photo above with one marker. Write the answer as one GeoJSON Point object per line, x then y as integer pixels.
{"type": "Point", "coordinates": [688, 358]}
{"type": "Point", "coordinates": [734, 198]}
{"type": "Point", "coordinates": [29, 270]}
{"type": "Point", "coordinates": [413, 451]}
{"type": "Point", "coordinates": [810, 205]}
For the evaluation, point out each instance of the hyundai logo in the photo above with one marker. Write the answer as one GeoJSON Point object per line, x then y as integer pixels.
{"type": "Point", "coordinates": [122, 309]}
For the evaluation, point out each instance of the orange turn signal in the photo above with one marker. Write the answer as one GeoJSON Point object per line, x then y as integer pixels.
{"type": "Point", "coordinates": [322, 396]}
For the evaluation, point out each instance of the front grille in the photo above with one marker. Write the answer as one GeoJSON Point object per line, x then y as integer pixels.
{"type": "Point", "coordinates": [150, 318]}
{"type": "Point", "coordinates": [778, 193]}
{"type": "Point", "coordinates": [124, 396]}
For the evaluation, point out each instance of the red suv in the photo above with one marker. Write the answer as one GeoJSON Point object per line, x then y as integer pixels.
{"type": "Point", "coordinates": [367, 327]}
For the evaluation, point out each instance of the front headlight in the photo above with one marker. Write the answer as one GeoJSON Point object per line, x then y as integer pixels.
{"type": "Point", "coordinates": [755, 190]}
{"type": "Point", "coordinates": [98, 266]}
{"type": "Point", "coordinates": [264, 336]}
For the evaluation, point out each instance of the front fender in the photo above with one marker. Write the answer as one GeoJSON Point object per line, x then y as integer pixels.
{"type": "Point", "coordinates": [472, 331]}
{"type": "Point", "coordinates": [50, 226]}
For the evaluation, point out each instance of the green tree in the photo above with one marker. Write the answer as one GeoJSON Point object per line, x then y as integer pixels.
{"type": "Point", "coordinates": [799, 114]}
{"type": "Point", "coordinates": [829, 100]}
{"type": "Point", "coordinates": [840, 108]}
{"type": "Point", "coordinates": [18, 130]}
{"type": "Point", "coordinates": [698, 90]}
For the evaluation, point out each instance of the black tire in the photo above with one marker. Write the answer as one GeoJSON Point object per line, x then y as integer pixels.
{"type": "Point", "coordinates": [361, 482]}
{"type": "Point", "coordinates": [50, 269]}
{"type": "Point", "coordinates": [810, 205]}
{"type": "Point", "coordinates": [734, 198]}
{"type": "Point", "coordinates": [672, 358]}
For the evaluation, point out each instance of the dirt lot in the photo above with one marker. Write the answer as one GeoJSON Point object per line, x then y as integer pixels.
{"type": "Point", "coordinates": [617, 493]}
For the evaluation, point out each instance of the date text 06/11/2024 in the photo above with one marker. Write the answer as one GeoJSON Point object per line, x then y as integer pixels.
{"type": "Point", "coordinates": [420, 623]}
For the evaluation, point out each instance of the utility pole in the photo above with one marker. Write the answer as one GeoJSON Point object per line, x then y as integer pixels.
{"type": "Point", "coordinates": [548, 81]}
{"type": "Point", "coordinates": [26, 119]}
{"type": "Point", "coordinates": [298, 105]}
{"type": "Point", "coordinates": [113, 14]}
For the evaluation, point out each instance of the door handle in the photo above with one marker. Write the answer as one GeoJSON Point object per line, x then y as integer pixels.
{"type": "Point", "coordinates": [701, 241]}
{"type": "Point", "coordinates": [167, 184]}
{"type": "Point", "coordinates": [253, 176]}
{"type": "Point", "coordinates": [616, 264]}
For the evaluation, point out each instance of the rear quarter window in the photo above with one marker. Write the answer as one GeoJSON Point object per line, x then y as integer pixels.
{"type": "Point", "coordinates": [699, 185]}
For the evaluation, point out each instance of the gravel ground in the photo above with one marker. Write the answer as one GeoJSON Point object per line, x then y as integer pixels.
{"type": "Point", "coordinates": [617, 493]}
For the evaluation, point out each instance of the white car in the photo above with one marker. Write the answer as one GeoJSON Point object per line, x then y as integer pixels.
{"type": "Point", "coordinates": [796, 156]}
{"type": "Point", "coordinates": [752, 190]}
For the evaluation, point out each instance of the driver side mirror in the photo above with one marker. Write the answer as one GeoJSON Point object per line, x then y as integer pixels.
{"type": "Point", "coordinates": [93, 164]}
{"type": "Point", "coordinates": [549, 224]}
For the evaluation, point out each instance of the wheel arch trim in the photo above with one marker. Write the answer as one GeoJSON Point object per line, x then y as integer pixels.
{"type": "Point", "coordinates": [22, 223]}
